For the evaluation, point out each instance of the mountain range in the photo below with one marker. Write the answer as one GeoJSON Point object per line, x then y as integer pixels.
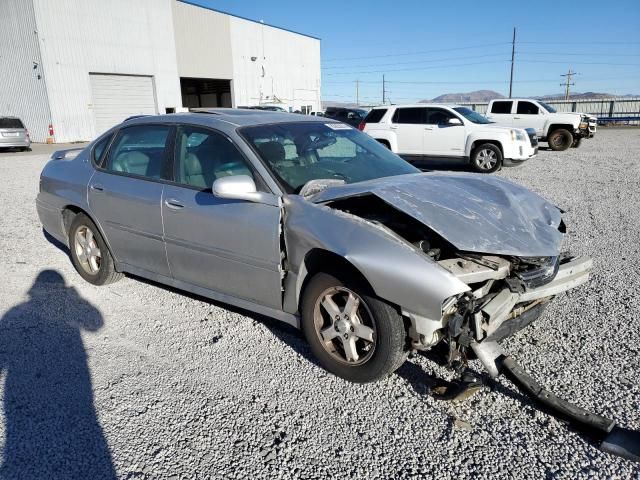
{"type": "Point", "coordinates": [481, 96]}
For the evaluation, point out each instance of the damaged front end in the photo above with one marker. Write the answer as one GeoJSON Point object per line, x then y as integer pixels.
{"type": "Point", "coordinates": [506, 291]}
{"type": "Point", "coordinates": [506, 296]}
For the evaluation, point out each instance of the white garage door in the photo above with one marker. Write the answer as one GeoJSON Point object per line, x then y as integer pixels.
{"type": "Point", "coordinates": [116, 97]}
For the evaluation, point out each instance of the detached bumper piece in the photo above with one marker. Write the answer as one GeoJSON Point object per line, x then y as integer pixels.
{"type": "Point", "coordinates": [612, 439]}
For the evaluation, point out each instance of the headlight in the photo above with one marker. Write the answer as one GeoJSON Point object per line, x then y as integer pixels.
{"type": "Point", "coordinates": [518, 135]}
{"type": "Point", "coordinates": [583, 125]}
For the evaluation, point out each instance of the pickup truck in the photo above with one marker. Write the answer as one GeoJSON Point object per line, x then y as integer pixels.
{"type": "Point", "coordinates": [451, 133]}
{"type": "Point", "coordinates": [559, 130]}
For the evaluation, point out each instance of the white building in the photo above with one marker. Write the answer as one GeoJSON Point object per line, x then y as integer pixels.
{"type": "Point", "coordinates": [82, 66]}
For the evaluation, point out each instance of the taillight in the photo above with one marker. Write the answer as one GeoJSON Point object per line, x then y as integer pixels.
{"type": "Point", "coordinates": [361, 126]}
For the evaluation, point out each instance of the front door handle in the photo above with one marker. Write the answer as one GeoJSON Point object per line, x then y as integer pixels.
{"type": "Point", "coordinates": [428, 128]}
{"type": "Point", "coordinates": [97, 187]}
{"type": "Point", "coordinates": [393, 127]}
{"type": "Point", "coordinates": [516, 118]}
{"type": "Point", "coordinates": [173, 204]}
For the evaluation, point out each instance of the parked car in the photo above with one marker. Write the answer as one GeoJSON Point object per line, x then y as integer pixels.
{"type": "Point", "coordinates": [560, 130]}
{"type": "Point", "coordinates": [316, 114]}
{"type": "Point", "coordinates": [313, 223]}
{"type": "Point", "coordinates": [440, 132]}
{"type": "Point", "coordinates": [13, 134]}
{"type": "Point", "coordinates": [350, 116]}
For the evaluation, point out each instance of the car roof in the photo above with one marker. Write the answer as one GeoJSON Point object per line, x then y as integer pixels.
{"type": "Point", "coordinates": [418, 105]}
{"type": "Point", "coordinates": [230, 116]}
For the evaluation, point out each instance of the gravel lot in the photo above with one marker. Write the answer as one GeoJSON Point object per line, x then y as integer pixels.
{"type": "Point", "coordinates": [134, 380]}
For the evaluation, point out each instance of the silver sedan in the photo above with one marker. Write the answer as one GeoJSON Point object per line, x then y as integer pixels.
{"type": "Point", "coordinates": [314, 223]}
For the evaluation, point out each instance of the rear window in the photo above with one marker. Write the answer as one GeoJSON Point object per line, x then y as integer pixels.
{"type": "Point", "coordinates": [501, 107]}
{"type": "Point", "coordinates": [375, 115]}
{"type": "Point", "coordinates": [10, 123]}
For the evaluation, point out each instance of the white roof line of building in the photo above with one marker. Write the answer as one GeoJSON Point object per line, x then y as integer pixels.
{"type": "Point", "coordinates": [191, 2]}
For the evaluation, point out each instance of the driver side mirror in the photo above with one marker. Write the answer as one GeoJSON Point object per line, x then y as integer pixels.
{"type": "Point", "coordinates": [237, 187]}
{"type": "Point", "coordinates": [454, 121]}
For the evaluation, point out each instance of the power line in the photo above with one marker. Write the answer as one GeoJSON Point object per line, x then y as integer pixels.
{"type": "Point", "coordinates": [416, 53]}
{"type": "Point", "coordinates": [416, 69]}
{"type": "Point", "coordinates": [427, 61]}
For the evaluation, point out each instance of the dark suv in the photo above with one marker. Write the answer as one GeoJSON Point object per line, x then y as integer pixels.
{"type": "Point", "coordinates": [350, 116]}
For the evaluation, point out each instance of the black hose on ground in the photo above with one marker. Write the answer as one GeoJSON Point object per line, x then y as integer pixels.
{"type": "Point", "coordinates": [614, 440]}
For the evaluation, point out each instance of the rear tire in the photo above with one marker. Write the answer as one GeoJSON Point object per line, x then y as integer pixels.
{"type": "Point", "coordinates": [560, 139]}
{"type": "Point", "coordinates": [89, 252]}
{"type": "Point", "coordinates": [385, 144]}
{"type": "Point", "coordinates": [486, 158]}
{"type": "Point", "coordinates": [363, 338]}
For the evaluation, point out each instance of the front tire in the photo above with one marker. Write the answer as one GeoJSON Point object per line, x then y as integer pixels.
{"type": "Point", "coordinates": [89, 252]}
{"type": "Point", "coordinates": [352, 334]}
{"type": "Point", "coordinates": [560, 139]}
{"type": "Point", "coordinates": [486, 158]}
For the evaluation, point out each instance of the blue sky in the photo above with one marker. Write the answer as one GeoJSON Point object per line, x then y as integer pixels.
{"type": "Point", "coordinates": [426, 48]}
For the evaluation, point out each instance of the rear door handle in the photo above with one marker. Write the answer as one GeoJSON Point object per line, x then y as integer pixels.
{"type": "Point", "coordinates": [393, 127]}
{"type": "Point", "coordinates": [173, 204]}
{"type": "Point", "coordinates": [516, 118]}
{"type": "Point", "coordinates": [97, 187]}
{"type": "Point", "coordinates": [428, 128]}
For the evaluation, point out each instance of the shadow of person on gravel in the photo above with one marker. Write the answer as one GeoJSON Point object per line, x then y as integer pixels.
{"type": "Point", "coordinates": [52, 430]}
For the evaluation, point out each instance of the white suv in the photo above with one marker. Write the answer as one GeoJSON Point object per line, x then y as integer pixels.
{"type": "Point", "coordinates": [441, 132]}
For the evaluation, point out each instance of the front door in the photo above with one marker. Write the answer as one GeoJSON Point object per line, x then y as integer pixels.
{"type": "Point", "coordinates": [528, 116]}
{"type": "Point", "coordinates": [228, 246]}
{"type": "Point", "coordinates": [440, 137]}
{"type": "Point", "coordinates": [125, 196]}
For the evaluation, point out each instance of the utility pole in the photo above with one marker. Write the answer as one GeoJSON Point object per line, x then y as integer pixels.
{"type": "Point", "coordinates": [513, 55]}
{"type": "Point", "coordinates": [383, 91]}
{"type": "Point", "coordinates": [567, 83]}
{"type": "Point", "coordinates": [358, 92]}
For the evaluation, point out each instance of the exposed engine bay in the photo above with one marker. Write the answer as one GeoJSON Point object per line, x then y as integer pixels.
{"type": "Point", "coordinates": [506, 292]}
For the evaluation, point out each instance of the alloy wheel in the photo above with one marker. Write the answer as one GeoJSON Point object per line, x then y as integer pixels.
{"type": "Point", "coordinates": [345, 326]}
{"type": "Point", "coordinates": [87, 250]}
{"type": "Point", "coordinates": [486, 159]}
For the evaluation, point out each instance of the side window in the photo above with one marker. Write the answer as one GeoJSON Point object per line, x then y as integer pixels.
{"type": "Point", "coordinates": [501, 107]}
{"type": "Point", "coordinates": [375, 115]}
{"type": "Point", "coordinates": [202, 156]}
{"type": "Point", "coordinates": [98, 149]}
{"type": "Point", "coordinates": [413, 115]}
{"type": "Point", "coordinates": [139, 150]}
{"type": "Point", "coordinates": [527, 108]}
{"type": "Point", "coordinates": [438, 116]}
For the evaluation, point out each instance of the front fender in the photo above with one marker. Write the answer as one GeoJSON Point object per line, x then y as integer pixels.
{"type": "Point", "coordinates": [395, 270]}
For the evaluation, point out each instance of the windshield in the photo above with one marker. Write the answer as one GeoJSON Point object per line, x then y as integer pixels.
{"type": "Point", "coordinates": [471, 115]}
{"type": "Point", "coordinates": [303, 151]}
{"type": "Point", "coordinates": [548, 107]}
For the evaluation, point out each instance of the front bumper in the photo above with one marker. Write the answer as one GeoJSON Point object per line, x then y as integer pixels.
{"type": "Point", "coordinates": [500, 309]}
{"type": "Point", "coordinates": [519, 154]}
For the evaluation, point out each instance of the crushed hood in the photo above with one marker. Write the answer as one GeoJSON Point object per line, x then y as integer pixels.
{"type": "Point", "coordinates": [474, 212]}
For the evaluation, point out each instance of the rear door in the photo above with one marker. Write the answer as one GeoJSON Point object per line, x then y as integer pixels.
{"type": "Point", "coordinates": [527, 115]}
{"type": "Point", "coordinates": [125, 195]}
{"type": "Point", "coordinates": [501, 112]}
{"type": "Point", "coordinates": [229, 246]}
{"type": "Point", "coordinates": [408, 125]}
{"type": "Point", "coordinates": [440, 137]}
